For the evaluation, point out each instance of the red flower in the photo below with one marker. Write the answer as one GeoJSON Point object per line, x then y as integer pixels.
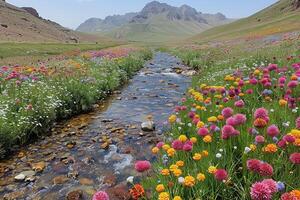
{"type": "Point", "coordinates": [142, 166]}
{"type": "Point", "coordinates": [253, 165]}
{"type": "Point", "coordinates": [265, 169]}
{"type": "Point", "coordinates": [295, 158]}
{"type": "Point", "coordinates": [221, 174]}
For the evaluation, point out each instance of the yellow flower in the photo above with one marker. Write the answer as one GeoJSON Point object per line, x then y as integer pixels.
{"type": "Point", "coordinates": [173, 167]}
{"type": "Point", "coordinates": [165, 172]}
{"type": "Point", "coordinates": [177, 172]}
{"type": "Point", "coordinates": [256, 72]}
{"type": "Point", "coordinates": [155, 150]}
{"type": "Point", "coordinates": [197, 156]}
{"type": "Point", "coordinates": [212, 169]}
{"type": "Point", "coordinates": [201, 177]}
{"type": "Point", "coordinates": [164, 196]}
{"type": "Point", "coordinates": [172, 119]}
{"type": "Point", "coordinates": [297, 142]}
{"type": "Point", "coordinates": [207, 139]}
{"type": "Point", "coordinates": [171, 152]}
{"type": "Point", "coordinates": [270, 148]}
{"type": "Point", "coordinates": [252, 147]}
{"type": "Point", "coordinates": [182, 138]}
{"type": "Point", "coordinates": [189, 181]}
{"type": "Point", "coordinates": [204, 153]}
{"type": "Point", "coordinates": [180, 163]}
{"type": "Point", "coordinates": [212, 119]}
{"type": "Point", "coordinates": [160, 188]}
{"type": "Point", "coordinates": [177, 198]}
{"type": "Point", "coordinates": [295, 133]}
{"type": "Point", "coordinates": [241, 94]}
{"type": "Point", "coordinates": [200, 124]}
{"type": "Point", "coordinates": [193, 140]}
{"type": "Point", "coordinates": [166, 147]}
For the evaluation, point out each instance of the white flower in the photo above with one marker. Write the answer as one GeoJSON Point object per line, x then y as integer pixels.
{"type": "Point", "coordinates": [190, 124]}
{"type": "Point", "coordinates": [181, 180]}
{"type": "Point", "coordinates": [130, 179]}
{"type": "Point", "coordinates": [272, 110]}
{"type": "Point", "coordinates": [179, 128]}
{"type": "Point", "coordinates": [218, 155]}
{"type": "Point", "coordinates": [247, 150]}
{"type": "Point", "coordinates": [221, 150]}
{"type": "Point", "coordinates": [235, 147]}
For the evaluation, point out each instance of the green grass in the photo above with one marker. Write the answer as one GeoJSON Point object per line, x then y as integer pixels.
{"type": "Point", "coordinates": [36, 51]}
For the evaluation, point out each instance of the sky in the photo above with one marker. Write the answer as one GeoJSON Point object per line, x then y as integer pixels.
{"type": "Point", "coordinates": [71, 13]}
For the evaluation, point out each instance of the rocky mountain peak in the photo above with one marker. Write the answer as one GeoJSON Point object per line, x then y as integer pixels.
{"type": "Point", "coordinates": [32, 11]}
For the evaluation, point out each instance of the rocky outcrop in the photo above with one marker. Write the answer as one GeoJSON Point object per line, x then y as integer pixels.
{"type": "Point", "coordinates": [32, 11]}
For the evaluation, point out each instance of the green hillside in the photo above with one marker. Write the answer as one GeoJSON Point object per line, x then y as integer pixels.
{"type": "Point", "coordinates": [282, 16]}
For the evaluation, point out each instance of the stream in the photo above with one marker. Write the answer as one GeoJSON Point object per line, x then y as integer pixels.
{"type": "Point", "coordinates": [98, 150]}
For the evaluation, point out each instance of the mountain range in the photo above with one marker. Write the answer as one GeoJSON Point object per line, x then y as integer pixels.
{"type": "Point", "coordinates": [155, 22]}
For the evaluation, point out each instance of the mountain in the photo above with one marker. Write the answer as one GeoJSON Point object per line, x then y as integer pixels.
{"type": "Point", "coordinates": [283, 16]}
{"type": "Point", "coordinates": [155, 22]}
{"type": "Point", "coordinates": [25, 25]}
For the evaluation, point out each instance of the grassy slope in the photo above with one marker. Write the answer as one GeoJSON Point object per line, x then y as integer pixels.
{"type": "Point", "coordinates": [277, 18]}
{"type": "Point", "coordinates": [25, 53]}
{"type": "Point", "coordinates": [159, 29]}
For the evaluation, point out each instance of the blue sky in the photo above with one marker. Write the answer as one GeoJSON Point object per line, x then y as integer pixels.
{"type": "Point", "coordinates": [70, 13]}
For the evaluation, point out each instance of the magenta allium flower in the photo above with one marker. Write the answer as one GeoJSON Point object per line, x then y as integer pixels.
{"type": "Point", "coordinates": [100, 195]}
{"type": "Point", "coordinates": [253, 81]}
{"type": "Point", "coordinates": [227, 131]}
{"type": "Point", "coordinates": [260, 191]}
{"type": "Point", "coordinates": [142, 166]}
{"type": "Point", "coordinates": [160, 144]}
{"type": "Point", "coordinates": [265, 169]}
{"type": "Point", "coordinates": [203, 131]}
{"type": "Point", "coordinates": [187, 147]}
{"type": "Point", "coordinates": [253, 165]}
{"type": "Point", "coordinates": [295, 158]}
{"type": "Point", "coordinates": [177, 144]}
{"type": "Point", "coordinates": [298, 123]}
{"type": "Point", "coordinates": [259, 139]}
{"type": "Point", "coordinates": [191, 114]}
{"type": "Point", "coordinates": [240, 119]}
{"type": "Point", "coordinates": [273, 130]}
{"type": "Point", "coordinates": [261, 113]}
{"type": "Point", "coordinates": [231, 121]}
{"type": "Point", "coordinates": [282, 143]}
{"type": "Point", "coordinates": [221, 174]}
{"type": "Point", "coordinates": [289, 138]}
{"type": "Point", "coordinates": [249, 91]}
{"type": "Point", "coordinates": [292, 84]}
{"type": "Point", "coordinates": [227, 112]}
{"type": "Point", "coordinates": [239, 103]}
{"type": "Point", "coordinates": [271, 184]}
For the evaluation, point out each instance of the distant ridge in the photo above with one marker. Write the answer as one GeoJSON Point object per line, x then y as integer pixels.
{"type": "Point", "coordinates": [155, 22]}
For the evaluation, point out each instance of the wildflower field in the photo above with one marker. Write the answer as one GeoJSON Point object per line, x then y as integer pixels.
{"type": "Point", "coordinates": [236, 134]}
{"type": "Point", "coordinates": [33, 97]}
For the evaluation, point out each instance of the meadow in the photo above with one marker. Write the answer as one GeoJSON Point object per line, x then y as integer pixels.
{"type": "Point", "coordinates": [236, 134]}
{"type": "Point", "coordinates": [33, 97]}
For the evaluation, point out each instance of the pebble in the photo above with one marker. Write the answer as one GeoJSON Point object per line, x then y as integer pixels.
{"type": "Point", "coordinates": [148, 126]}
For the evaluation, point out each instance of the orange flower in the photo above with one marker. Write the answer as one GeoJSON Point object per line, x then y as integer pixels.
{"type": "Point", "coordinates": [260, 123]}
{"type": "Point", "coordinates": [270, 148]}
{"type": "Point", "coordinates": [137, 191]}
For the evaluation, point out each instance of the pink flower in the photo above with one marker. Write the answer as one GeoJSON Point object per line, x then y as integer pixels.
{"type": "Point", "coordinates": [295, 158]}
{"type": "Point", "coordinates": [227, 112]}
{"type": "Point", "coordinates": [289, 138]}
{"type": "Point", "coordinates": [142, 166]}
{"type": "Point", "coordinates": [160, 144]}
{"type": "Point", "coordinates": [231, 121]}
{"type": "Point", "coordinates": [221, 174]}
{"type": "Point", "coordinates": [253, 81]}
{"type": "Point", "coordinates": [253, 165]}
{"type": "Point", "coordinates": [239, 104]}
{"type": "Point", "coordinates": [298, 123]}
{"type": "Point", "coordinates": [203, 131]}
{"type": "Point", "coordinates": [265, 169]}
{"type": "Point", "coordinates": [239, 119]}
{"type": "Point", "coordinates": [260, 191]}
{"type": "Point", "coordinates": [271, 184]}
{"type": "Point", "coordinates": [191, 114]}
{"type": "Point", "coordinates": [292, 84]}
{"type": "Point", "coordinates": [227, 131]}
{"type": "Point", "coordinates": [272, 130]}
{"type": "Point", "coordinates": [261, 113]}
{"type": "Point", "coordinates": [259, 139]}
{"type": "Point", "coordinates": [286, 196]}
{"type": "Point", "coordinates": [187, 147]}
{"type": "Point", "coordinates": [249, 91]}
{"type": "Point", "coordinates": [177, 144]}
{"type": "Point", "coordinates": [100, 195]}
{"type": "Point", "coordinates": [282, 143]}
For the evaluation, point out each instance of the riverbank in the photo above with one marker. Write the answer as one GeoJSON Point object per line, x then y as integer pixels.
{"type": "Point", "coordinates": [34, 97]}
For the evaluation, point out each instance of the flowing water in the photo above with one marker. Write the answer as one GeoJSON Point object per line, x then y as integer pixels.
{"type": "Point", "coordinates": [97, 150]}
